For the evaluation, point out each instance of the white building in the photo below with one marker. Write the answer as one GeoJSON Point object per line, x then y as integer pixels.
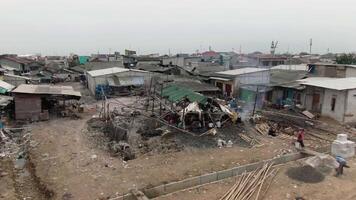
{"type": "Point", "coordinates": [331, 97]}
{"type": "Point", "coordinates": [115, 77]}
{"type": "Point", "coordinates": [231, 81]}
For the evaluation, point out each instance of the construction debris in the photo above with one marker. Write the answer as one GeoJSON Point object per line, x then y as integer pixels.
{"type": "Point", "coordinates": [250, 185]}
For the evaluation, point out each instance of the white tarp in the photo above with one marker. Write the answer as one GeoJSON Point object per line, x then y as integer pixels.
{"type": "Point", "coordinates": [192, 107]}
{"type": "Point", "coordinates": [322, 160]}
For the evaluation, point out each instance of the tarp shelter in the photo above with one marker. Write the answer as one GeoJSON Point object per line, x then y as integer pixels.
{"type": "Point", "coordinates": [176, 93]}
{"type": "Point", "coordinates": [83, 59]}
{"type": "Point", "coordinates": [192, 107]}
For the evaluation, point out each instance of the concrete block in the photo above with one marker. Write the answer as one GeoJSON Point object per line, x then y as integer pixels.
{"type": "Point", "coordinates": [154, 192]}
{"type": "Point", "coordinates": [224, 174]}
{"type": "Point", "coordinates": [208, 178]}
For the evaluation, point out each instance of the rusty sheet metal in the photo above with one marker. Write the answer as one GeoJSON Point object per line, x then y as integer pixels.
{"type": "Point", "coordinates": [46, 89]}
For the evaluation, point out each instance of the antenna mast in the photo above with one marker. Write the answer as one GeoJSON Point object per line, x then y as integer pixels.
{"type": "Point", "coordinates": [310, 45]}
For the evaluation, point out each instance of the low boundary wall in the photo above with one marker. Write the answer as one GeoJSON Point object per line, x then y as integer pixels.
{"type": "Point", "coordinates": [211, 177]}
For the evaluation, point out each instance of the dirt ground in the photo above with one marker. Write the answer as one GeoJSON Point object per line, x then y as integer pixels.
{"type": "Point", "coordinates": [283, 187]}
{"type": "Point", "coordinates": [68, 164]}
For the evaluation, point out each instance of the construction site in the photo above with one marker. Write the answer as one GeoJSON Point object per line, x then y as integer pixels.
{"type": "Point", "coordinates": [168, 142]}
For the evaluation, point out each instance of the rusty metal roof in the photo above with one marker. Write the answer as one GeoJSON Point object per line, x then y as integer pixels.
{"type": "Point", "coordinates": [46, 89]}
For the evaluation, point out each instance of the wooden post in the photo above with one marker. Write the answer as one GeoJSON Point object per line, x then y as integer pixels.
{"type": "Point", "coordinates": [183, 119]}
{"type": "Point", "coordinates": [153, 99]}
{"type": "Point", "coordinates": [149, 96]}
{"type": "Point", "coordinates": [160, 102]}
{"type": "Point", "coordinates": [254, 105]}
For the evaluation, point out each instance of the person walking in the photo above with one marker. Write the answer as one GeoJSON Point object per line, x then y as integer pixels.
{"type": "Point", "coordinates": [342, 163]}
{"type": "Point", "coordinates": [300, 137]}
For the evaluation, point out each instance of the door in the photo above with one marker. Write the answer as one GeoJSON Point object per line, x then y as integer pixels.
{"type": "Point", "coordinates": [316, 102]}
{"type": "Point", "coordinates": [228, 89]}
{"type": "Point", "coordinates": [220, 86]}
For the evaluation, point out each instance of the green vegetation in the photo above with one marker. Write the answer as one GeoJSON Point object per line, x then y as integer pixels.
{"type": "Point", "coordinates": [346, 59]}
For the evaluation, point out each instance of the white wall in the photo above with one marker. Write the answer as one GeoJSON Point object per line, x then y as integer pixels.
{"type": "Point", "coordinates": [261, 78]}
{"type": "Point", "coordinates": [350, 72]}
{"type": "Point", "coordinates": [307, 98]}
{"type": "Point", "coordinates": [350, 114]}
{"type": "Point", "coordinates": [94, 81]}
{"type": "Point", "coordinates": [338, 113]}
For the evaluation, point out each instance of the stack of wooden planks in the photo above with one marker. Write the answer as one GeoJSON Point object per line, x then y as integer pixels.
{"type": "Point", "coordinates": [250, 185]}
{"type": "Point", "coordinates": [262, 128]}
{"type": "Point", "coordinates": [250, 140]}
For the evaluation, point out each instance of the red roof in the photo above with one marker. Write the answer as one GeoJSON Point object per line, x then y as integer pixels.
{"type": "Point", "coordinates": [210, 53]}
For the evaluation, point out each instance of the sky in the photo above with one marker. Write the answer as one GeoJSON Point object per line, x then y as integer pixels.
{"type": "Point", "coordinates": [61, 27]}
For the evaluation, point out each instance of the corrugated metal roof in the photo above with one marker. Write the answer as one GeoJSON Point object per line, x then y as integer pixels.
{"type": "Point", "coordinates": [220, 79]}
{"type": "Point", "coordinates": [177, 93]}
{"type": "Point", "coordinates": [301, 67]}
{"type": "Point", "coordinates": [241, 71]}
{"type": "Point", "coordinates": [112, 70]}
{"type": "Point", "coordinates": [196, 86]}
{"type": "Point", "coordinates": [102, 72]}
{"type": "Point", "coordinates": [331, 83]}
{"type": "Point", "coordinates": [46, 89]}
{"type": "Point", "coordinates": [16, 76]}
{"type": "Point", "coordinates": [5, 87]}
{"type": "Point", "coordinates": [5, 100]}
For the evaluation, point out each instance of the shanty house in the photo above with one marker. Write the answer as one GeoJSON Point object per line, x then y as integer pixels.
{"type": "Point", "coordinates": [332, 70]}
{"type": "Point", "coordinates": [286, 88]}
{"type": "Point", "coordinates": [35, 102]}
{"type": "Point", "coordinates": [15, 64]}
{"type": "Point", "coordinates": [115, 77]}
{"type": "Point", "coordinates": [232, 82]}
{"type": "Point", "coordinates": [331, 97]}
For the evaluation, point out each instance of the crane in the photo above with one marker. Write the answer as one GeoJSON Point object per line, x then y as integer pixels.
{"type": "Point", "coordinates": [273, 47]}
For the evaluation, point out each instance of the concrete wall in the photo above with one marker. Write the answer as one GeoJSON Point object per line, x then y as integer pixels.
{"type": "Point", "coordinates": [307, 98]}
{"type": "Point", "coordinates": [253, 78]}
{"type": "Point", "coordinates": [179, 61]}
{"type": "Point", "coordinates": [350, 114]}
{"type": "Point", "coordinates": [338, 113]}
{"type": "Point", "coordinates": [350, 72]}
{"type": "Point", "coordinates": [331, 71]}
{"type": "Point", "coordinates": [212, 177]}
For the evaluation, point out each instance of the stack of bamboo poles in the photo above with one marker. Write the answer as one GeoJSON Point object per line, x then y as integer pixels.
{"type": "Point", "coordinates": [249, 186]}
{"type": "Point", "coordinates": [250, 140]}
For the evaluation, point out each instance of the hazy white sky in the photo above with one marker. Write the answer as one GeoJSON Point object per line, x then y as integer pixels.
{"type": "Point", "coordinates": [154, 26]}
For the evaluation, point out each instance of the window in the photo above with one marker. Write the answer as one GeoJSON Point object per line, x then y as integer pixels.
{"type": "Point", "coordinates": [333, 102]}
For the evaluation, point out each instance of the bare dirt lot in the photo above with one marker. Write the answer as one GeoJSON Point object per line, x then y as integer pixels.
{"type": "Point", "coordinates": [68, 163]}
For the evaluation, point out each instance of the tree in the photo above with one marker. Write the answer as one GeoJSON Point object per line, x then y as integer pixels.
{"type": "Point", "coordinates": [346, 59]}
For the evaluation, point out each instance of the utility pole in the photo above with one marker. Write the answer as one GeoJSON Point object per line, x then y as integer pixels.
{"type": "Point", "coordinates": [160, 102]}
{"type": "Point", "coordinates": [153, 99]}
{"type": "Point", "coordinates": [310, 45]}
{"type": "Point", "coordinates": [254, 105]}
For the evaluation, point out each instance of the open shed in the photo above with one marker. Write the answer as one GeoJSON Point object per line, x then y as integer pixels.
{"type": "Point", "coordinates": [34, 102]}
